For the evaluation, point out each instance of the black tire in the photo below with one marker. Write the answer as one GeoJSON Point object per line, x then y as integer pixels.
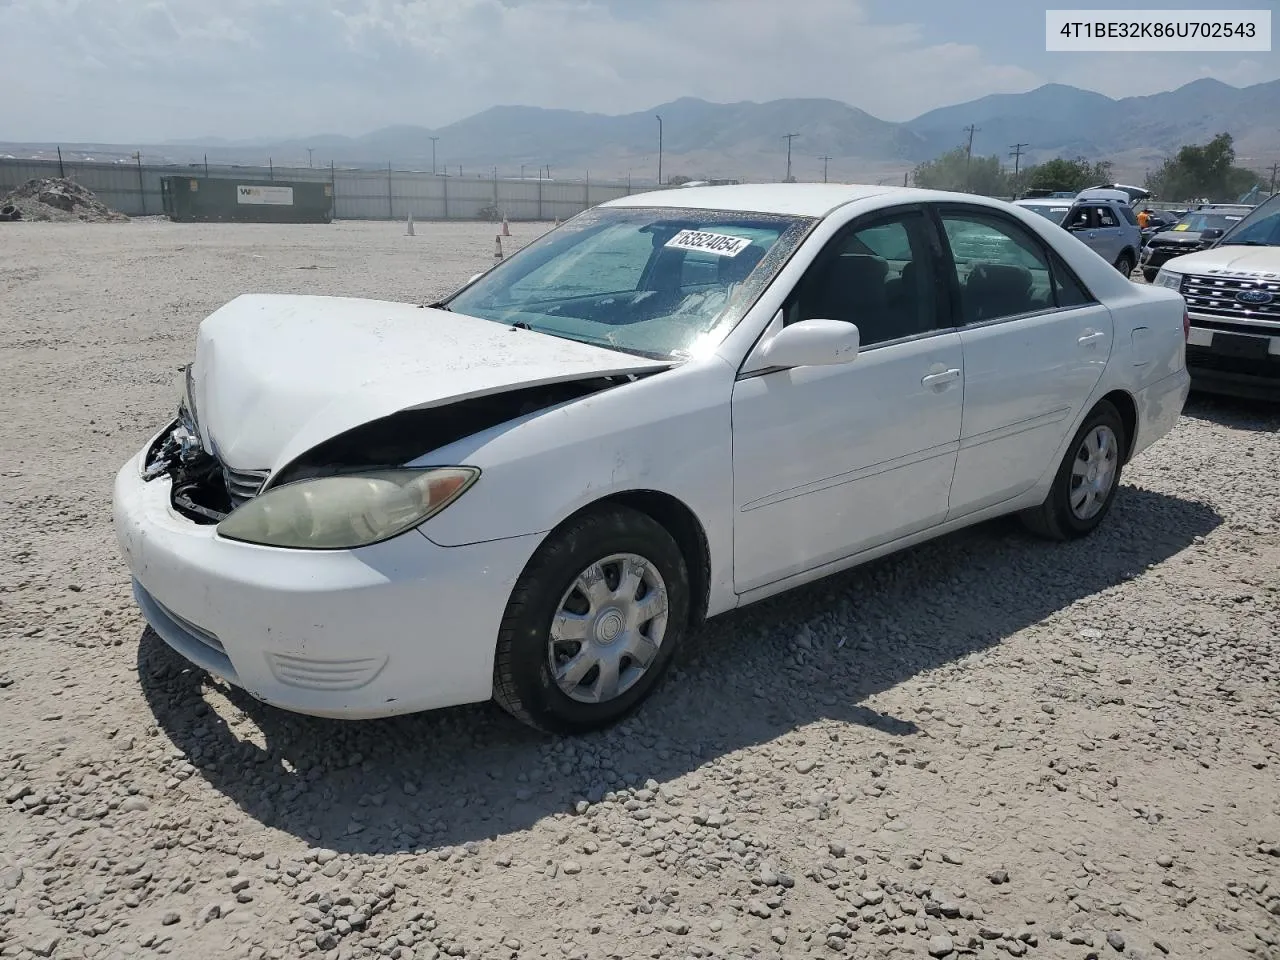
{"type": "Point", "coordinates": [1149, 275]}
{"type": "Point", "coordinates": [1125, 264]}
{"type": "Point", "coordinates": [523, 684]}
{"type": "Point", "coordinates": [1054, 519]}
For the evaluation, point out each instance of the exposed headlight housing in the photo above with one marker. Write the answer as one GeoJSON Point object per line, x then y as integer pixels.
{"type": "Point", "coordinates": [1167, 278]}
{"type": "Point", "coordinates": [347, 511]}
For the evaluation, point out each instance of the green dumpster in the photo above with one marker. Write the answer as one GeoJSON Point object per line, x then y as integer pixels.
{"type": "Point", "coordinates": [213, 200]}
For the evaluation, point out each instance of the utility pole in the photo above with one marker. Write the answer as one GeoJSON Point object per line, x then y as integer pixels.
{"type": "Point", "coordinates": [659, 149]}
{"type": "Point", "coordinates": [310, 151]}
{"type": "Point", "coordinates": [825, 161]}
{"type": "Point", "coordinates": [968, 153]}
{"type": "Point", "coordinates": [789, 137]}
{"type": "Point", "coordinates": [1016, 153]}
{"type": "Point", "coordinates": [433, 140]}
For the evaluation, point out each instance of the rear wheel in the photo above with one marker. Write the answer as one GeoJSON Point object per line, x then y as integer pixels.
{"type": "Point", "coordinates": [1087, 480]}
{"type": "Point", "coordinates": [1125, 264]}
{"type": "Point", "coordinates": [592, 623]}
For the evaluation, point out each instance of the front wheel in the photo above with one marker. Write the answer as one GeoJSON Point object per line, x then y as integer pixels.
{"type": "Point", "coordinates": [1087, 479]}
{"type": "Point", "coordinates": [592, 623]}
{"type": "Point", "coordinates": [1150, 275]}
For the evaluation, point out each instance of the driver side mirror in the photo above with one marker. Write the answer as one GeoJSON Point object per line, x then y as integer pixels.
{"type": "Point", "coordinates": [1213, 233]}
{"type": "Point", "coordinates": [813, 343]}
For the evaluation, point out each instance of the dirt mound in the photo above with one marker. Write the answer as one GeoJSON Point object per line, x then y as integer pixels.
{"type": "Point", "coordinates": [56, 199]}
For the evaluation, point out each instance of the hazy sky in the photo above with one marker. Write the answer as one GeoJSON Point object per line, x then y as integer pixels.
{"type": "Point", "coordinates": [146, 70]}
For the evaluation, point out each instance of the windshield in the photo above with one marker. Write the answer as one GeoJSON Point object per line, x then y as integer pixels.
{"type": "Point", "coordinates": [1199, 222]}
{"type": "Point", "coordinates": [1054, 212]}
{"type": "Point", "coordinates": [658, 282]}
{"type": "Point", "coordinates": [1261, 228]}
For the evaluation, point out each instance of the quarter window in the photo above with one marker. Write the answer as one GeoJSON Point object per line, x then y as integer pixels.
{"type": "Point", "coordinates": [879, 276]}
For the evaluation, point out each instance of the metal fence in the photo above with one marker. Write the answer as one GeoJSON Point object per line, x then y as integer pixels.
{"type": "Point", "coordinates": [134, 189]}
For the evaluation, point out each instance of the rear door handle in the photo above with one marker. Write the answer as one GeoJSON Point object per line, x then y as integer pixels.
{"type": "Point", "coordinates": [941, 379]}
{"type": "Point", "coordinates": [1089, 339]}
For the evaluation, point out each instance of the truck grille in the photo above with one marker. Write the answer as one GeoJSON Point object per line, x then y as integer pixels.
{"type": "Point", "coordinates": [1216, 297]}
{"type": "Point", "coordinates": [243, 485]}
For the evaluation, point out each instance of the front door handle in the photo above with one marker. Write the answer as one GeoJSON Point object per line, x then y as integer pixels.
{"type": "Point", "coordinates": [1089, 339]}
{"type": "Point", "coordinates": [936, 380]}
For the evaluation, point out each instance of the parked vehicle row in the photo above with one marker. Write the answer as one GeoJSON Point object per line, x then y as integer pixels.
{"type": "Point", "coordinates": [673, 405]}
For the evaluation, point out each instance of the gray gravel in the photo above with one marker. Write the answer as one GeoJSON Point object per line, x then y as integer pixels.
{"type": "Point", "coordinates": [985, 744]}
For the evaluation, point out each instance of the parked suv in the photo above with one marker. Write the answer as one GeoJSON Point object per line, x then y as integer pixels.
{"type": "Point", "coordinates": [1196, 230]}
{"type": "Point", "coordinates": [1232, 291]}
{"type": "Point", "coordinates": [1105, 221]}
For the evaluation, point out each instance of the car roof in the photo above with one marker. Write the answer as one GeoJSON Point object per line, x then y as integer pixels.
{"type": "Point", "coordinates": [794, 199]}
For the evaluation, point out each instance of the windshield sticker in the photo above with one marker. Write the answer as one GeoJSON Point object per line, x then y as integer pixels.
{"type": "Point", "coordinates": [1182, 226]}
{"type": "Point", "coordinates": [720, 244]}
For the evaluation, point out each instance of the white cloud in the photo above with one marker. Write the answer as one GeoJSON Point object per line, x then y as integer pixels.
{"type": "Point", "coordinates": [154, 69]}
{"type": "Point", "coordinates": [147, 69]}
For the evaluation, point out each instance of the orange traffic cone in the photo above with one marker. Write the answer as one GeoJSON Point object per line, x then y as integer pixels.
{"type": "Point", "coordinates": [506, 228]}
{"type": "Point", "coordinates": [497, 248]}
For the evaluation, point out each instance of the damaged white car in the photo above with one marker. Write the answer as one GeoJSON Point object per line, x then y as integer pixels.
{"type": "Point", "coordinates": [671, 406]}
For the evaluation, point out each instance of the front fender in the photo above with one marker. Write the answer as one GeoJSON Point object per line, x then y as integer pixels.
{"type": "Point", "coordinates": [669, 433]}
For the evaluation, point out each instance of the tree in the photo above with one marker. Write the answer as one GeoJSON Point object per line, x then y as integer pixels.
{"type": "Point", "coordinates": [954, 170]}
{"type": "Point", "coordinates": [1062, 176]}
{"type": "Point", "coordinates": [1202, 170]}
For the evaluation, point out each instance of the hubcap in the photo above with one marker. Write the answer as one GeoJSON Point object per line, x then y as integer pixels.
{"type": "Point", "coordinates": [1093, 472]}
{"type": "Point", "coordinates": [607, 628]}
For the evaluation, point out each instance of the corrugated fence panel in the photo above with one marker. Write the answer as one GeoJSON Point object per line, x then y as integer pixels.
{"type": "Point", "coordinates": [358, 194]}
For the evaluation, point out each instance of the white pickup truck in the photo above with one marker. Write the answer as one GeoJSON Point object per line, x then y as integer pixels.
{"type": "Point", "coordinates": [1232, 291]}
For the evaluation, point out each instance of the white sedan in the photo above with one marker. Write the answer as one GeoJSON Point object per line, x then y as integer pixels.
{"type": "Point", "coordinates": [673, 405]}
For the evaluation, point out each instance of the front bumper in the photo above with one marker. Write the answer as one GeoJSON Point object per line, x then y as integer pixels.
{"type": "Point", "coordinates": [1153, 258]}
{"type": "Point", "coordinates": [1233, 362]}
{"type": "Point", "coordinates": [398, 627]}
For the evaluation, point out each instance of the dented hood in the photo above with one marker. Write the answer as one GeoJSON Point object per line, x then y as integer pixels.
{"type": "Point", "coordinates": [275, 375]}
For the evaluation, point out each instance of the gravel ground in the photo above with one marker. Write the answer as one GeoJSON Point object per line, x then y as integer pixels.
{"type": "Point", "coordinates": [984, 746]}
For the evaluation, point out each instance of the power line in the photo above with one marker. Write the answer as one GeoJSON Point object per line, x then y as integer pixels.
{"type": "Point", "coordinates": [825, 161]}
{"type": "Point", "coordinates": [789, 137]}
{"type": "Point", "coordinates": [1016, 153]}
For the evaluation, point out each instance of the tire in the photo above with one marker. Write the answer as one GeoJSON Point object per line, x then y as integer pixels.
{"type": "Point", "coordinates": [1056, 519]}
{"type": "Point", "coordinates": [1125, 264]}
{"type": "Point", "coordinates": [1150, 275]}
{"type": "Point", "coordinates": [523, 681]}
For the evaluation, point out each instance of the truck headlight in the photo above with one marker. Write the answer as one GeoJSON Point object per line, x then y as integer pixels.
{"type": "Point", "coordinates": [1167, 278]}
{"type": "Point", "coordinates": [347, 511]}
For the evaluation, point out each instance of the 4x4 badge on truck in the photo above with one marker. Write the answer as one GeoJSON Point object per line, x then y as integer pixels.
{"type": "Point", "coordinates": [1255, 297]}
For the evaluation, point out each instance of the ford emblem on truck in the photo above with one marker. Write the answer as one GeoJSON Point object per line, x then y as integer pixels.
{"type": "Point", "coordinates": [1254, 297]}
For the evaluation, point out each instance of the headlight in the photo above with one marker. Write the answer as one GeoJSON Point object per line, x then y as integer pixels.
{"type": "Point", "coordinates": [1167, 278]}
{"type": "Point", "coordinates": [352, 510]}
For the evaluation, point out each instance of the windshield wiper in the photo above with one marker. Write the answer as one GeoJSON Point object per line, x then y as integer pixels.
{"type": "Point", "coordinates": [1245, 243]}
{"type": "Point", "coordinates": [521, 325]}
{"type": "Point", "coordinates": [440, 305]}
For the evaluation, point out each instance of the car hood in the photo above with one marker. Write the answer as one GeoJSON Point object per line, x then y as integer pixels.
{"type": "Point", "coordinates": [275, 375]}
{"type": "Point", "coordinates": [1262, 263]}
{"type": "Point", "coordinates": [1176, 237]}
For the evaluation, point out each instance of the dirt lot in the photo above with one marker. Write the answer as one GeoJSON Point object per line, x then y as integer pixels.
{"type": "Point", "coordinates": [988, 745]}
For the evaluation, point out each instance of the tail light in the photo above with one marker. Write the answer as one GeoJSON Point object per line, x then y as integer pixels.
{"type": "Point", "coordinates": [1186, 324]}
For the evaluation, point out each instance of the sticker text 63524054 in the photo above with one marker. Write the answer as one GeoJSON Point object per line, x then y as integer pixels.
{"type": "Point", "coordinates": [722, 245]}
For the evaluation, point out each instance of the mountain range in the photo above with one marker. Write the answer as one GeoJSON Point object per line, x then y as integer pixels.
{"type": "Point", "coordinates": [745, 140]}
